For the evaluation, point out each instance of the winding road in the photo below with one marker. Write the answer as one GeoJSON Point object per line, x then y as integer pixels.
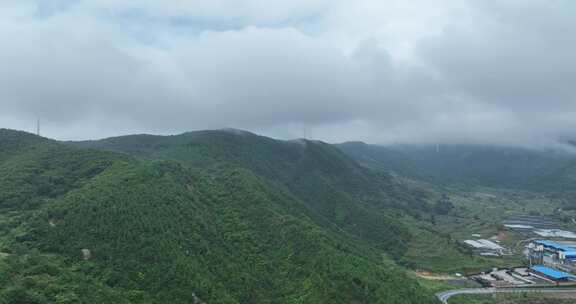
{"type": "Point", "coordinates": [444, 296]}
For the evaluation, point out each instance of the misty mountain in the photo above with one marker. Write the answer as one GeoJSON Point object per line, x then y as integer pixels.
{"type": "Point", "coordinates": [381, 209]}
{"type": "Point", "coordinates": [334, 188]}
{"type": "Point", "coordinates": [551, 171]}
{"type": "Point", "coordinates": [194, 219]}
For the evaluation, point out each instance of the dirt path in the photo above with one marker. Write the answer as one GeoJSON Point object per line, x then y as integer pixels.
{"type": "Point", "coordinates": [436, 277]}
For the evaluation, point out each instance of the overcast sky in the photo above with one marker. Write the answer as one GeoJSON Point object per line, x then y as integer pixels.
{"type": "Point", "coordinates": [381, 71]}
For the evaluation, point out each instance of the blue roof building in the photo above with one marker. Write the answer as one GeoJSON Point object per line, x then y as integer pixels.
{"type": "Point", "coordinates": [551, 273]}
{"type": "Point", "coordinates": [555, 246]}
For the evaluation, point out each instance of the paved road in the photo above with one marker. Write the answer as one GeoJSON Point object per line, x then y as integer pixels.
{"type": "Point", "coordinates": [444, 296]}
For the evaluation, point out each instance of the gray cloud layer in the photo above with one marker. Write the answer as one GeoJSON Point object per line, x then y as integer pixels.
{"type": "Point", "coordinates": [499, 71]}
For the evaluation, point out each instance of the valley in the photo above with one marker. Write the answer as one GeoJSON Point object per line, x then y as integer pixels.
{"type": "Point", "coordinates": [502, 225]}
{"type": "Point", "coordinates": [287, 152]}
{"type": "Point", "coordinates": [233, 217]}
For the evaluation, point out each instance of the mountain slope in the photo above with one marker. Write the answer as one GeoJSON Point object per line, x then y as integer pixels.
{"type": "Point", "coordinates": [491, 166]}
{"type": "Point", "coordinates": [335, 190]}
{"type": "Point", "coordinates": [107, 228]}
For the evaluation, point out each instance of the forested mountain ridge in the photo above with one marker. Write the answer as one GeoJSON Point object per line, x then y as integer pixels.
{"type": "Point", "coordinates": [15, 141]}
{"type": "Point", "coordinates": [551, 171]}
{"type": "Point", "coordinates": [36, 169]}
{"type": "Point", "coordinates": [334, 188]}
{"type": "Point", "coordinates": [86, 226]}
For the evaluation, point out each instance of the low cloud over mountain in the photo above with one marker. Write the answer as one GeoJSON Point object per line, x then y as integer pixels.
{"type": "Point", "coordinates": [382, 71]}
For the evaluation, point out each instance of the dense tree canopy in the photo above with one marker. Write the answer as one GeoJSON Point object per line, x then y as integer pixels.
{"type": "Point", "coordinates": [87, 226]}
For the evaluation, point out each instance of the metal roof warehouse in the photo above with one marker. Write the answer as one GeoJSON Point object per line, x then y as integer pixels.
{"type": "Point", "coordinates": [555, 246]}
{"type": "Point", "coordinates": [552, 273]}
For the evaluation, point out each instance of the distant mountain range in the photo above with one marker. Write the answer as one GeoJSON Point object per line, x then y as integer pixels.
{"type": "Point", "coordinates": [228, 216]}
{"type": "Point", "coordinates": [204, 217]}
{"type": "Point", "coordinates": [491, 166]}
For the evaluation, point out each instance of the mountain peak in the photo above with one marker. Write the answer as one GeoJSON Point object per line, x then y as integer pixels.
{"type": "Point", "coordinates": [236, 131]}
{"type": "Point", "coordinates": [353, 143]}
{"type": "Point", "coordinates": [13, 139]}
{"type": "Point", "coordinates": [11, 132]}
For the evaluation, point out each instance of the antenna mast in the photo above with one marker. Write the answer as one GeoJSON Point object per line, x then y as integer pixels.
{"type": "Point", "coordinates": [38, 126]}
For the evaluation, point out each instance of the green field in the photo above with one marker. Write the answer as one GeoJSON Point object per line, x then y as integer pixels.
{"type": "Point", "coordinates": [437, 243]}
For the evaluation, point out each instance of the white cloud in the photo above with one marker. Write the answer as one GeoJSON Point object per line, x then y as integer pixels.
{"type": "Point", "coordinates": [380, 71]}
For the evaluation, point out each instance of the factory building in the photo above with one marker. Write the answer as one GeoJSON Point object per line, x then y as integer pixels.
{"type": "Point", "coordinates": [554, 275]}
{"type": "Point", "coordinates": [547, 257]}
{"type": "Point", "coordinates": [486, 248]}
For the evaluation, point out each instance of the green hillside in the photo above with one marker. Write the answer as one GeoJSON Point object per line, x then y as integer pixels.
{"type": "Point", "coordinates": [337, 193]}
{"type": "Point", "coordinates": [86, 226]}
{"type": "Point", "coordinates": [387, 212]}
{"type": "Point", "coordinates": [552, 171]}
